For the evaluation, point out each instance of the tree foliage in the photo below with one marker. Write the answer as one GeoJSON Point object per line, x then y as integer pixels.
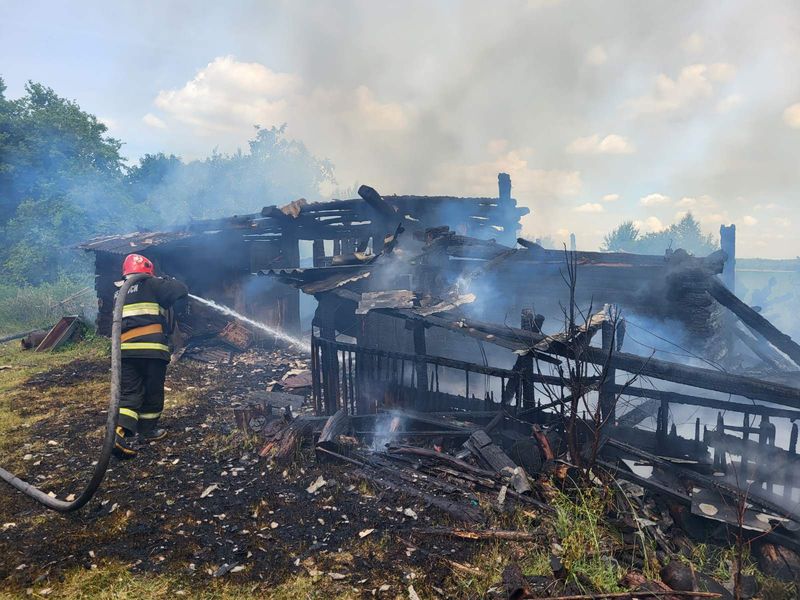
{"type": "Point", "coordinates": [60, 177]}
{"type": "Point", "coordinates": [275, 170]}
{"type": "Point", "coordinates": [686, 234]}
{"type": "Point", "coordinates": [63, 180]}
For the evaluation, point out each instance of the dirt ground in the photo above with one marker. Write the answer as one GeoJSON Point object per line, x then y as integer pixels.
{"type": "Point", "coordinates": [199, 513]}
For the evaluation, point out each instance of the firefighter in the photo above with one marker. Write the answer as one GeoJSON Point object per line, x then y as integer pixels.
{"type": "Point", "coordinates": [145, 354]}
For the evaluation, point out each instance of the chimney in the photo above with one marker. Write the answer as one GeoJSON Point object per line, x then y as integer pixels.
{"type": "Point", "coordinates": [504, 186]}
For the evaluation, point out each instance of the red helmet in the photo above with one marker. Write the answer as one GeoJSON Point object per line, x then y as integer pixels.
{"type": "Point", "coordinates": [136, 263]}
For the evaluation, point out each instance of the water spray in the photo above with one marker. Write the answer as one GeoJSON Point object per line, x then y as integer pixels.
{"type": "Point", "coordinates": [296, 343]}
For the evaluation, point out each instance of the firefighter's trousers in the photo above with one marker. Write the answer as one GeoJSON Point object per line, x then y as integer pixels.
{"type": "Point", "coordinates": [141, 393]}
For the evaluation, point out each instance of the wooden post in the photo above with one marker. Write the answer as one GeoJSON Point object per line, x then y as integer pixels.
{"type": "Point", "coordinates": [318, 252]}
{"type": "Point", "coordinates": [329, 362]}
{"type": "Point", "coordinates": [420, 349]}
{"type": "Point", "coordinates": [788, 482]}
{"type": "Point", "coordinates": [744, 469]}
{"type": "Point", "coordinates": [727, 239]}
{"type": "Point", "coordinates": [290, 251]}
{"type": "Point", "coordinates": [697, 434]}
{"type": "Point", "coordinates": [662, 426]}
{"type": "Point", "coordinates": [526, 364]}
{"type": "Point", "coordinates": [607, 396]}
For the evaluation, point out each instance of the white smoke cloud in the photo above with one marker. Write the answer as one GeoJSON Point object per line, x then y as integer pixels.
{"type": "Point", "coordinates": [792, 116]}
{"type": "Point", "coordinates": [693, 83]}
{"type": "Point", "coordinates": [153, 121]}
{"type": "Point", "coordinates": [595, 144]}
{"type": "Point", "coordinates": [654, 200]}
{"type": "Point", "coordinates": [419, 98]}
{"type": "Point", "coordinates": [590, 207]}
{"type": "Point", "coordinates": [649, 225]}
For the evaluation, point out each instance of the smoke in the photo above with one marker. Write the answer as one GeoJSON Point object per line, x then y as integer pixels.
{"type": "Point", "coordinates": [294, 342]}
{"type": "Point", "coordinates": [652, 93]}
{"type": "Point", "coordinates": [275, 170]}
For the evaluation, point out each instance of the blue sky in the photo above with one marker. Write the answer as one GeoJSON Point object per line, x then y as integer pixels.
{"type": "Point", "coordinates": [600, 111]}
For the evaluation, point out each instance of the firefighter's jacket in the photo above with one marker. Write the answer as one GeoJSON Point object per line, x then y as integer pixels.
{"type": "Point", "coordinates": [145, 317]}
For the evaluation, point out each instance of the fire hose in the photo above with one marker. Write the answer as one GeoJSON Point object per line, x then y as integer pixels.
{"type": "Point", "coordinates": [111, 424]}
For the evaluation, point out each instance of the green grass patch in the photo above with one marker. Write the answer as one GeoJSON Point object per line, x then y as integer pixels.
{"type": "Point", "coordinates": [113, 581]}
{"type": "Point", "coordinates": [31, 307]}
{"type": "Point", "coordinates": [21, 407]}
{"type": "Point", "coordinates": [491, 561]}
{"type": "Point", "coordinates": [586, 541]}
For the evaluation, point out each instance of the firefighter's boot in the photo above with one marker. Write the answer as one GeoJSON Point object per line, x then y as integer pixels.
{"type": "Point", "coordinates": [153, 435]}
{"type": "Point", "coordinates": [122, 444]}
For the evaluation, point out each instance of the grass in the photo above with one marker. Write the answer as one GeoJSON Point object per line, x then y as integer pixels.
{"type": "Point", "coordinates": [585, 546]}
{"type": "Point", "coordinates": [113, 581]}
{"type": "Point", "coordinates": [586, 541]}
{"type": "Point", "coordinates": [491, 560]}
{"type": "Point", "coordinates": [22, 365]}
{"type": "Point", "coordinates": [28, 307]}
{"type": "Point", "coordinates": [719, 562]}
{"type": "Point", "coordinates": [225, 444]}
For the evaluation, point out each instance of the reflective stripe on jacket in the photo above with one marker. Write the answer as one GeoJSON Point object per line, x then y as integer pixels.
{"type": "Point", "coordinates": [144, 317]}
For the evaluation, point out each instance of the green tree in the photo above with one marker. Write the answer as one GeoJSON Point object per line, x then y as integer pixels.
{"type": "Point", "coordinates": [686, 234]}
{"type": "Point", "coordinates": [63, 180]}
{"type": "Point", "coordinates": [153, 171]}
{"type": "Point", "coordinates": [622, 239]}
{"type": "Point", "coordinates": [275, 170]}
{"type": "Point", "coordinates": [60, 178]}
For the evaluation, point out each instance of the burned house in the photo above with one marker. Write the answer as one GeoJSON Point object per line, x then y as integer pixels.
{"type": "Point", "coordinates": [444, 326]}
{"type": "Point", "coordinates": [432, 310]}
{"type": "Point", "coordinates": [217, 258]}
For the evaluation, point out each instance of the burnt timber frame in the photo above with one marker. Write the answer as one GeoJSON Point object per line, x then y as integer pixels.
{"type": "Point", "coordinates": [270, 240]}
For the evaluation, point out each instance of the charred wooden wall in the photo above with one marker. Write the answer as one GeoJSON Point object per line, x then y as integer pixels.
{"type": "Point", "coordinates": [218, 269]}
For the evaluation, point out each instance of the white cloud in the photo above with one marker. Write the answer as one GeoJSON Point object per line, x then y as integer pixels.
{"type": "Point", "coordinates": [713, 219]}
{"type": "Point", "coordinates": [768, 206]}
{"type": "Point", "coordinates": [596, 56]}
{"type": "Point", "coordinates": [594, 144]}
{"type": "Point", "coordinates": [694, 44]}
{"type": "Point", "coordinates": [749, 221]}
{"type": "Point", "coordinates": [228, 96]}
{"type": "Point", "coordinates": [654, 200]}
{"type": "Point", "coordinates": [729, 103]}
{"type": "Point", "coordinates": [153, 121]}
{"type": "Point", "coordinates": [694, 83]}
{"type": "Point", "coordinates": [589, 207]}
{"type": "Point", "coordinates": [380, 116]}
{"type": "Point", "coordinates": [611, 197]}
{"type": "Point", "coordinates": [689, 202]}
{"type": "Point", "coordinates": [791, 116]}
{"type": "Point", "coordinates": [649, 225]}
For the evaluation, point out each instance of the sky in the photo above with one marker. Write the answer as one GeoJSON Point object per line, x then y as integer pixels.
{"type": "Point", "coordinates": [600, 111]}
